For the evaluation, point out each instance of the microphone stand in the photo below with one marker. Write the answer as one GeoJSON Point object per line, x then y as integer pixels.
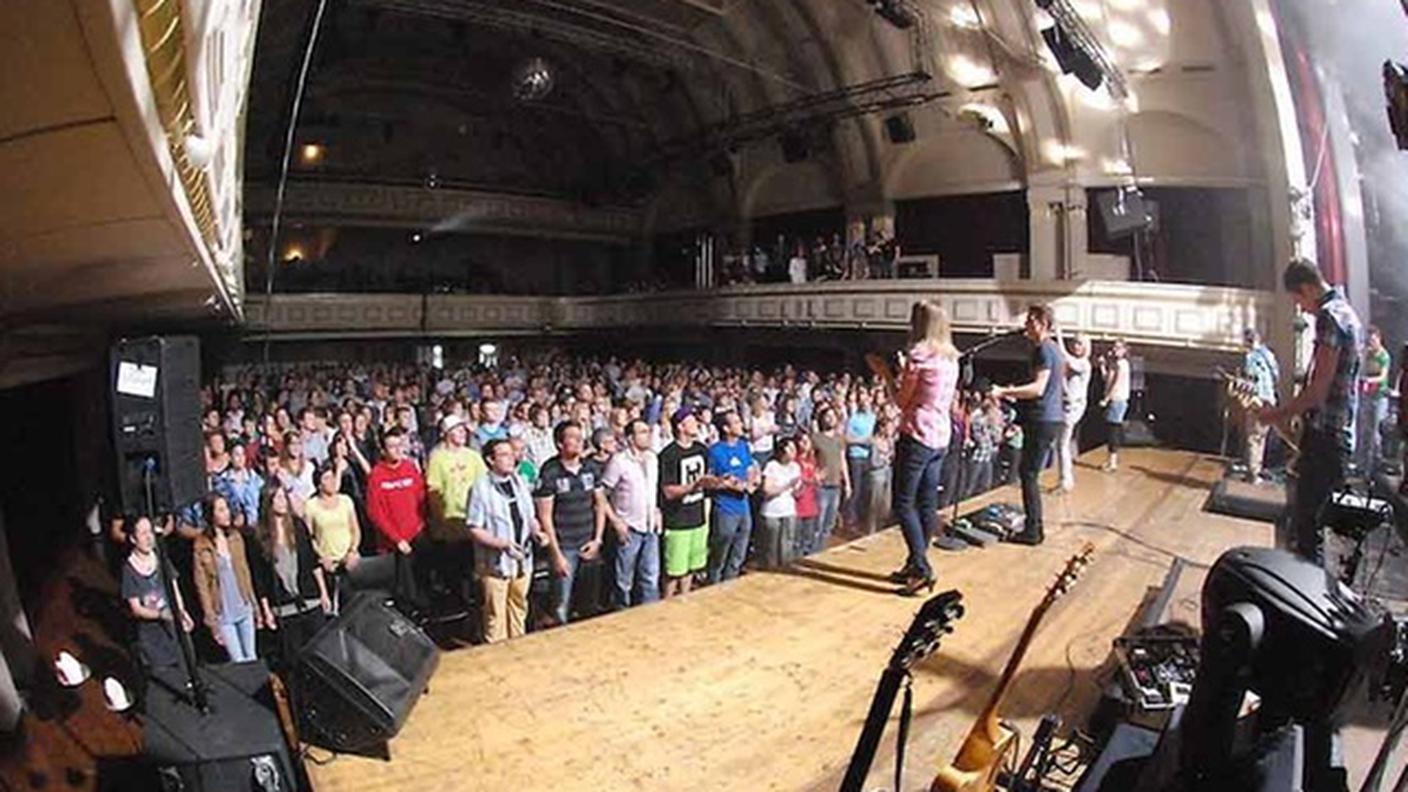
{"type": "Point", "coordinates": [168, 573]}
{"type": "Point", "coordinates": [965, 380]}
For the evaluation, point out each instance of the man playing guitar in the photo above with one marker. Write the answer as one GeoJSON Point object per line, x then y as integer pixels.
{"type": "Point", "coordinates": [1329, 402]}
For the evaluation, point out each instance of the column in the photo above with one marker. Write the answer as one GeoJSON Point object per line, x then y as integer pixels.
{"type": "Point", "coordinates": [1046, 209]}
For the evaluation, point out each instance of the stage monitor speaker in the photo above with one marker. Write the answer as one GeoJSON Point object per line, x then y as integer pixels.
{"type": "Point", "coordinates": [795, 147]}
{"type": "Point", "coordinates": [1128, 215]}
{"type": "Point", "coordinates": [237, 746]}
{"type": "Point", "coordinates": [899, 128]}
{"type": "Point", "coordinates": [359, 677]}
{"type": "Point", "coordinates": [155, 385]}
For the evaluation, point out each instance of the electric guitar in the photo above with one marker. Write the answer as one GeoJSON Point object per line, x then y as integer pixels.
{"type": "Point", "coordinates": [990, 744]}
{"type": "Point", "coordinates": [1241, 393]}
{"type": "Point", "coordinates": [933, 621]}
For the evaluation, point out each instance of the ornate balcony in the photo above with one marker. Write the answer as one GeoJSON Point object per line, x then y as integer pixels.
{"type": "Point", "coordinates": [1183, 327]}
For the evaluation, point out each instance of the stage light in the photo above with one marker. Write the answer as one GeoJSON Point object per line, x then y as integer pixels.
{"type": "Point", "coordinates": [416, 237]}
{"type": "Point", "coordinates": [199, 150]}
{"type": "Point", "coordinates": [293, 253]}
{"type": "Point", "coordinates": [115, 695]}
{"type": "Point", "coordinates": [533, 80]}
{"type": "Point", "coordinates": [311, 153]}
{"type": "Point", "coordinates": [69, 671]}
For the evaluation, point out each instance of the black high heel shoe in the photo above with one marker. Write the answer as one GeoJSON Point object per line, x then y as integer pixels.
{"type": "Point", "coordinates": [902, 574]}
{"type": "Point", "coordinates": [913, 585]}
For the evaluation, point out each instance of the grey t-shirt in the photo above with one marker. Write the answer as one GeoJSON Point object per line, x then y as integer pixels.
{"type": "Point", "coordinates": [830, 455]}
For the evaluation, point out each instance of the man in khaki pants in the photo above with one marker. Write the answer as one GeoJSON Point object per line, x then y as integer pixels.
{"type": "Point", "coordinates": [504, 528]}
{"type": "Point", "coordinates": [1259, 366]}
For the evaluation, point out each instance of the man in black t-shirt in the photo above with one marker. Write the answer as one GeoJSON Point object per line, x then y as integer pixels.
{"type": "Point", "coordinates": [567, 503]}
{"type": "Point", "coordinates": [1043, 414]}
{"type": "Point", "coordinates": [684, 466]}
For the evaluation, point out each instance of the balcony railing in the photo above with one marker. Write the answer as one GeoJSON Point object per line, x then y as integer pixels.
{"type": "Point", "coordinates": [1189, 317]}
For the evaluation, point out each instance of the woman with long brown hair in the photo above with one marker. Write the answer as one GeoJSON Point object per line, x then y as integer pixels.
{"type": "Point", "coordinates": [924, 393]}
{"type": "Point", "coordinates": [293, 593]}
{"type": "Point", "coordinates": [223, 582]}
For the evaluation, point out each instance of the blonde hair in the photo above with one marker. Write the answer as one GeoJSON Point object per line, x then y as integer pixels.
{"type": "Point", "coordinates": [929, 324]}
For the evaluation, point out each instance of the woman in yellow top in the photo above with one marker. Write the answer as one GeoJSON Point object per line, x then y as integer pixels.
{"type": "Point", "coordinates": [333, 520]}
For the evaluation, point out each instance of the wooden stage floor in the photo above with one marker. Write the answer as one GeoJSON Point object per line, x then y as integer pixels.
{"type": "Point", "coordinates": [763, 683]}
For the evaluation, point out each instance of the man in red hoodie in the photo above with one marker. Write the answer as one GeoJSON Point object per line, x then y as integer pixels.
{"type": "Point", "coordinates": [396, 507]}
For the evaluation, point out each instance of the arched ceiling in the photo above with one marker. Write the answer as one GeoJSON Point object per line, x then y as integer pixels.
{"type": "Point", "coordinates": [654, 93]}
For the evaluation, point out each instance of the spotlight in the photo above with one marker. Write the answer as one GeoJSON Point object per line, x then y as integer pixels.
{"type": "Point", "coordinates": [896, 12]}
{"type": "Point", "coordinates": [199, 150]}
{"type": "Point", "coordinates": [1071, 58]}
{"type": "Point", "coordinates": [311, 153]}
{"type": "Point", "coordinates": [533, 80]}
{"type": "Point", "coordinates": [416, 237]}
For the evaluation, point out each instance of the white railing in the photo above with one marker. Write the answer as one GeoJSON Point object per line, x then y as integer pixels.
{"type": "Point", "coordinates": [1192, 317]}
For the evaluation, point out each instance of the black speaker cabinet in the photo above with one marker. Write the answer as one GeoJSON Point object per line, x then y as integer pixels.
{"type": "Point", "coordinates": [899, 128]}
{"type": "Point", "coordinates": [155, 386]}
{"type": "Point", "coordinates": [238, 746]}
{"type": "Point", "coordinates": [359, 677]}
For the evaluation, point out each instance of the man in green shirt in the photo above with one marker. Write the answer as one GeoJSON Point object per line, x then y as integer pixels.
{"type": "Point", "coordinates": [451, 470]}
{"type": "Point", "coordinates": [1373, 391]}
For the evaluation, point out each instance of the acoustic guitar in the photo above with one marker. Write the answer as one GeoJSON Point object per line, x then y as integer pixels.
{"type": "Point", "coordinates": [881, 368]}
{"type": "Point", "coordinates": [990, 744]}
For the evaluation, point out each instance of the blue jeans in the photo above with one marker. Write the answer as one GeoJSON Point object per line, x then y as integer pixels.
{"type": "Point", "coordinates": [860, 494]}
{"type": "Point", "coordinates": [1372, 412]}
{"type": "Point", "coordinates": [638, 567]}
{"type": "Point", "coordinates": [828, 501]}
{"type": "Point", "coordinates": [915, 498]}
{"type": "Point", "coordinates": [562, 587]}
{"type": "Point", "coordinates": [728, 544]}
{"type": "Point", "coordinates": [239, 640]}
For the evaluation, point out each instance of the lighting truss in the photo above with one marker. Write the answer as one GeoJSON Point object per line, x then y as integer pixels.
{"type": "Point", "coordinates": [1083, 39]}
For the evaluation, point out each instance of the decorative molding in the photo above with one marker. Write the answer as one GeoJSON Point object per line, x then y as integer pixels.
{"type": "Point", "coordinates": [1204, 318]}
{"type": "Point", "coordinates": [445, 209]}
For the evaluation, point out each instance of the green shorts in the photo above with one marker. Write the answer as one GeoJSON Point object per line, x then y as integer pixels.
{"type": "Point", "coordinates": [686, 550]}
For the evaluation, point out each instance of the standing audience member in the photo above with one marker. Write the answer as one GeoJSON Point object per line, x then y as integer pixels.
{"type": "Point", "coordinates": [684, 466]}
{"type": "Point", "coordinates": [731, 523]}
{"type": "Point", "coordinates": [1076, 393]}
{"type": "Point", "coordinates": [396, 507]}
{"type": "Point", "coordinates": [567, 508]}
{"type": "Point", "coordinates": [293, 592]}
{"type": "Point", "coordinates": [860, 431]}
{"type": "Point", "coordinates": [1116, 400]}
{"type": "Point", "coordinates": [1045, 414]}
{"type": "Point", "coordinates": [882, 456]}
{"type": "Point", "coordinates": [1258, 365]}
{"type": "Point", "coordinates": [502, 525]}
{"type": "Point", "coordinates": [782, 478]}
{"type": "Point", "coordinates": [834, 474]}
{"type": "Point", "coordinates": [808, 505]}
{"type": "Point", "coordinates": [295, 472]}
{"type": "Point", "coordinates": [241, 486]}
{"type": "Point", "coordinates": [449, 473]}
{"type": "Point", "coordinates": [337, 532]}
{"type": "Point", "coordinates": [1373, 396]}
{"type": "Point", "coordinates": [144, 590]}
{"type": "Point", "coordinates": [632, 479]}
{"type": "Point", "coordinates": [223, 582]}
{"type": "Point", "coordinates": [924, 392]}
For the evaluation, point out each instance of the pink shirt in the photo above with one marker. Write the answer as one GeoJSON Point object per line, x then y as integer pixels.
{"type": "Point", "coordinates": [633, 479]}
{"type": "Point", "coordinates": [926, 417]}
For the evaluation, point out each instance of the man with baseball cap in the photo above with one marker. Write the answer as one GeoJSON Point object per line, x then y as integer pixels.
{"type": "Point", "coordinates": [452, 469]}
{"type": "Point", "coordinates": [684, 465]}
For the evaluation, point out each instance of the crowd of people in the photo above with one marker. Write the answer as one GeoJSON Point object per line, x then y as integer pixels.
{"type": "Point", "coordinates": [794, 260]}
{"type": "Point", "coordinates": [464, 482]}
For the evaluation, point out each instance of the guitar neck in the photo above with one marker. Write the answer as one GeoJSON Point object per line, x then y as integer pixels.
{"type": "Point", "coordinates": [988, 719]}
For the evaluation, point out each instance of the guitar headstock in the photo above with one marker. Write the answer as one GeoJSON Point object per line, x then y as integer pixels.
{"type": "Point", "coordinates": [933, 621]}
{"type": "Point", "coordinates": [878, 365]}
{"type": "Point", "coordinates": [1075, 567]}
